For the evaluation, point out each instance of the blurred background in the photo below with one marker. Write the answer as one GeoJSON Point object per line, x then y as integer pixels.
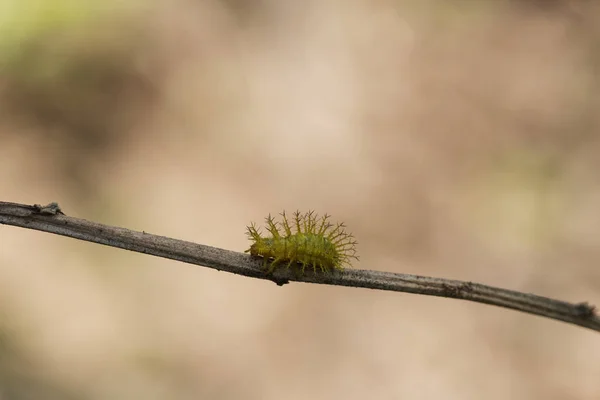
{"type": "Point", "coordinates": [456, 139]}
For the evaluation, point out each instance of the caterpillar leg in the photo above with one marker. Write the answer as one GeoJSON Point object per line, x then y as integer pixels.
{"type": "Point", "coordinates": [274, 264]}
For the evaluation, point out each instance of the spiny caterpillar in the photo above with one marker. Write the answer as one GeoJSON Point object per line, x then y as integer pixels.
{"type": "Point", "coordinates": [307, 239]}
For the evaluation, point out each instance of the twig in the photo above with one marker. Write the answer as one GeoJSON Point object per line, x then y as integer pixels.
{"type": "Point", "coordinates": [51, 219]}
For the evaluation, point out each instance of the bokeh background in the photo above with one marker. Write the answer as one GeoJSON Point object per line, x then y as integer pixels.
{"type": "Point", "coordinates": [457, 139]}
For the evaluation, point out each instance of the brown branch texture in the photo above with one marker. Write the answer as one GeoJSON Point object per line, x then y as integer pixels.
{"type": "Point", "coordinates": [50, 218]}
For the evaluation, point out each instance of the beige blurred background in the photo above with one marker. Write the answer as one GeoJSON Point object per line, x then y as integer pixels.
{"type": "Point", "coordinates": [456, 139]}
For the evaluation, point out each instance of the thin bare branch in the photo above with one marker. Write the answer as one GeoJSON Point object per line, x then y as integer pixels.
{"type": "Point", "coordinates": [51, 219]}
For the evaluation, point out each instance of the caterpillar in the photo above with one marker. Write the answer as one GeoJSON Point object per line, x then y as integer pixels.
{"type": "Point", "coordinates": [305, 241]}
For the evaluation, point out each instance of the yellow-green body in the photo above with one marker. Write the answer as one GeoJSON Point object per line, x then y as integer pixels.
{"type": "Point", "coordinates": [308, 241]}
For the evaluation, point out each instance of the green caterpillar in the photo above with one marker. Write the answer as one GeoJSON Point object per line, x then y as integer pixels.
{"type": "Point", "coordinates": [308, 241]}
